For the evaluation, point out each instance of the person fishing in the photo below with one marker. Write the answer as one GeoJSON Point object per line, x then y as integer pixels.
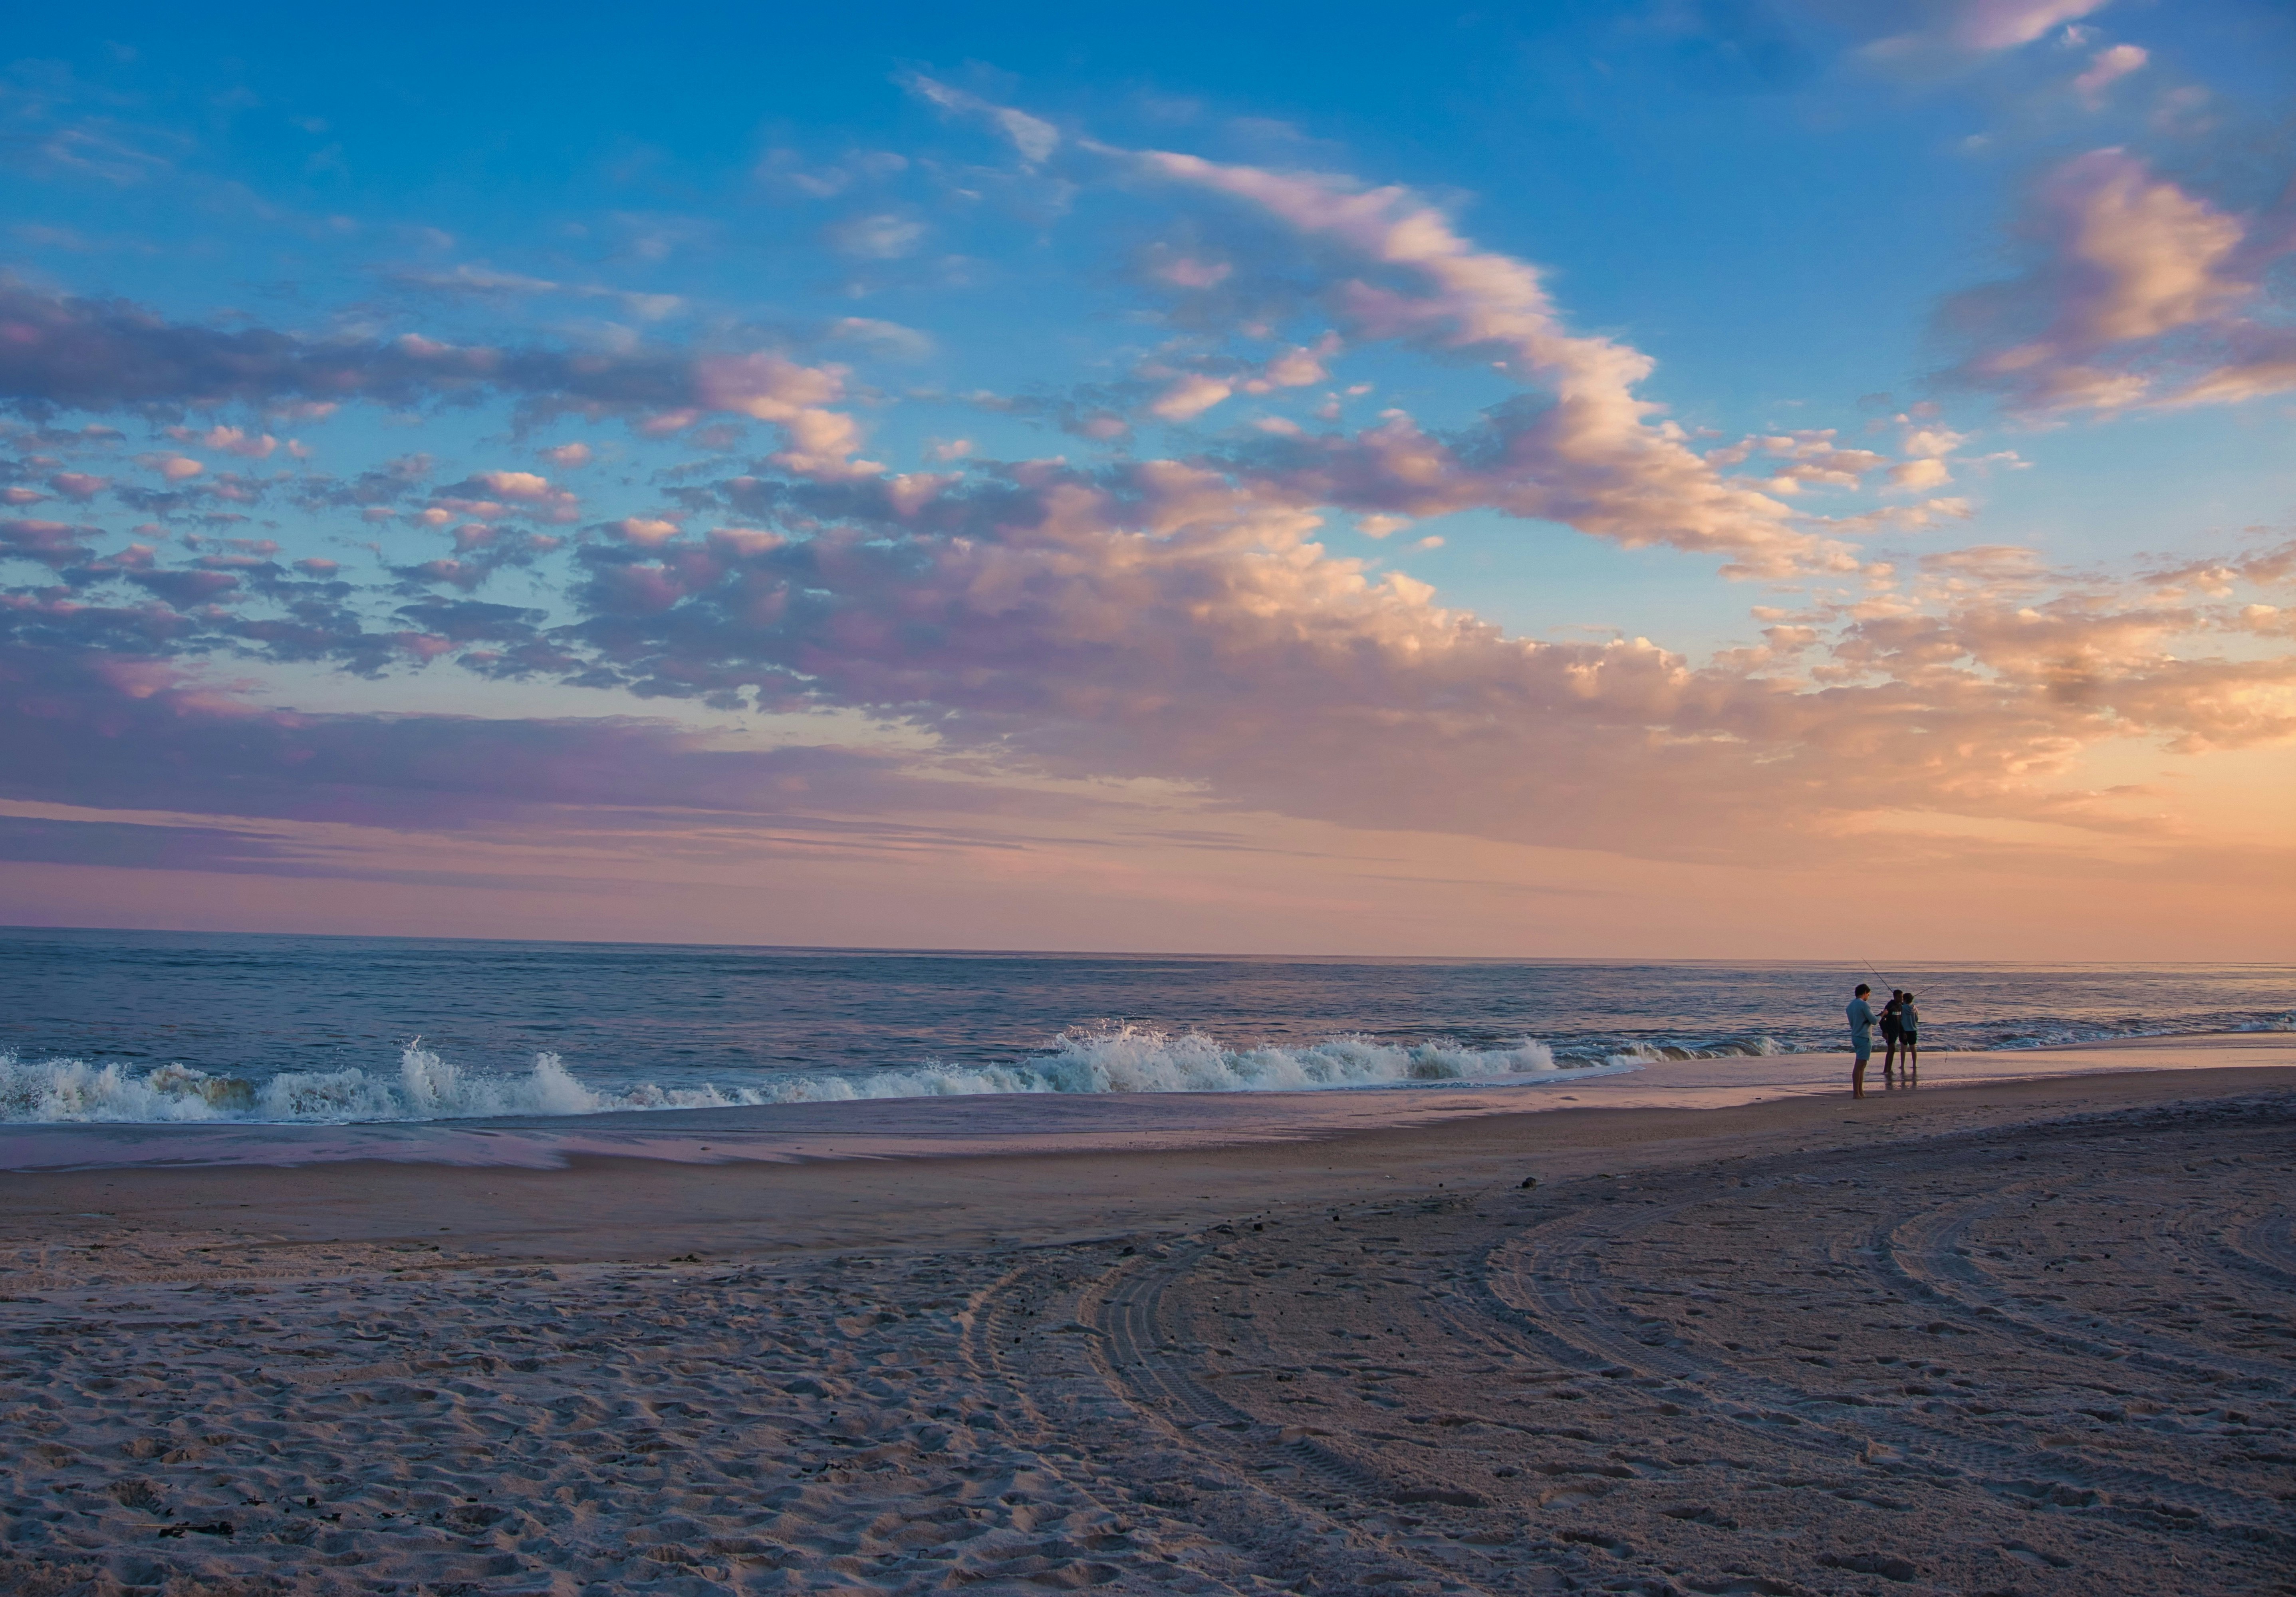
{"type": "Point", "coordinates": [1909, 1035]}
{"type": "Point", "coordinates": [1861, 1038]}
{"type": "Point", "coordinates": [1892, 1029]}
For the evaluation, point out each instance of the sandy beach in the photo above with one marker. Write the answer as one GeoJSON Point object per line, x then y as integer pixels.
{"type": "Point", "coordinates": [1987, 1337]}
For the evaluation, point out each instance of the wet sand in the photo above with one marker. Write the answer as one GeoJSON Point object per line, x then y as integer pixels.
{"type": "Point", "coordinates": [2029, 1337]}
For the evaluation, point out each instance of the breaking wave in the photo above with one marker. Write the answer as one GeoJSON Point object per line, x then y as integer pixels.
{"type": "Point", "coordinates": [1640, 1053]}
{"type": "Point", "coordinates": [426, 1087]}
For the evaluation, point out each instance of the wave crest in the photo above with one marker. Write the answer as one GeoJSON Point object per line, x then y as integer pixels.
{"type": "Point", "coordinates": [1640, 1053]}
{"type": "Point", "coordinates": [1125, 1059]}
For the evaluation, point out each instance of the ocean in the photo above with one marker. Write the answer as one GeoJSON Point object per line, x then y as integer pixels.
{"type": "Point", "coordinates": [162, 1028]}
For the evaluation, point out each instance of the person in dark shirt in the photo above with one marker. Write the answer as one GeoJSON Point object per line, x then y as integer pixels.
{"type": "Point", "coordinates": [1892, 1031]}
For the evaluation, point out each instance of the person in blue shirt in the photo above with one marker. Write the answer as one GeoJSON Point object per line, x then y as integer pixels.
{"type": "Point", "coordinates": [1861, 1038]}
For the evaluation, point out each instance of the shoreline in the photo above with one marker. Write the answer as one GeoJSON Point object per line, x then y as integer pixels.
{"type": "Point", "coordinates": [906, 1192]}
{"type": "Point", "coordinates": [1048, 1124]}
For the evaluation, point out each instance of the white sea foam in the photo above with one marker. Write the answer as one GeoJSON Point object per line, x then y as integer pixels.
{"type": "Point", "coordinates": [1652, 1054]}
{"type": "Point", "coordinates": [427, 1087]}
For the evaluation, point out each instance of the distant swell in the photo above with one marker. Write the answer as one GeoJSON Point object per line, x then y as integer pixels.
{"type": "Point", "coordinates": [427, 1087]}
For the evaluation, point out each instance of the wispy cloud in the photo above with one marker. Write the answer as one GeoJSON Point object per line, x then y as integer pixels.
{"type": "Point", "coordinates": [2141, 293]}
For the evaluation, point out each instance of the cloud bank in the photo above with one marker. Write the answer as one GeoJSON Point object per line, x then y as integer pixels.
{"type": "Point", "coordinates": [1174, 608]}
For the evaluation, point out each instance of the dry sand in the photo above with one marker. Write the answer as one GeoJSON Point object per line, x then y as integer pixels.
{"type": "Point", "coordinates": [2026, 1337]}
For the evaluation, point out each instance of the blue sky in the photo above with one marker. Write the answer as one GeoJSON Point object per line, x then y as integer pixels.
{"type": "Point", "coordinates": [1897, 322]}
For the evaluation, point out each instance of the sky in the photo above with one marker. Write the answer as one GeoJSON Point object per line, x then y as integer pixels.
{"type": "Point", "coordinates": [1694, 478]}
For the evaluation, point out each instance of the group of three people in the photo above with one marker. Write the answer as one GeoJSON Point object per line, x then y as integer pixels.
{"type": "Point", "coordinates": [1901, 1036]}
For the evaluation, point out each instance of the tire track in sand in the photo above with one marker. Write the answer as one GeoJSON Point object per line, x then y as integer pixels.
{"type": "Point", "coordinates": [1141, 1355]}
{"type": "Point", "coordinates": [1556, 1277]}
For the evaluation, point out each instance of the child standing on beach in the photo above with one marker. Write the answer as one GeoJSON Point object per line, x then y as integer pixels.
{"type": "Point", "coordinates": [1909, 1034]}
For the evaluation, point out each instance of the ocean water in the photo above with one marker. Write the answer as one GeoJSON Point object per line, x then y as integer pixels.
{"type": "Point", "coordinates": [123, 1028]}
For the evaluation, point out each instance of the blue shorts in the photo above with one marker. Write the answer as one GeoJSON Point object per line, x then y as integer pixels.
{"type": "Point", "coordinates": [1865, 1051]}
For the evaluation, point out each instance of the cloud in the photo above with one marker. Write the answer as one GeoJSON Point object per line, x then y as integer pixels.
{"type": "Point", "coordinates": [1160, 620]}
{"type": "Point", "coordinates": [235, 441]}
{"type": "Point", "coordinates": [480, 551]}
{"type": "Point", "coordinates": [2141, 296]}
{"type": "Point", "coordinates": [888, 338]}
{"type": "Point", "coordinates": [787, 167]}
{"type": "Point", "coordinates": [59, 352]}
{"type": "Point", "coordinates": [495, 494]}
{"type": "Point", "coordinates": [1794, 461]}
{"type": "Point", "coordinates": [883, 236]}
{"type": "Point", "coordinates": [2107, 68]}
{"type": "Point", "coordinates": [51, 543]}
{"type": "Point", "coordinates": [1592, 453]}
{"type": "Point", "coordinates": [90, 731]}
{"type": "Point", "coordinates": [2005, 24]}
{"type": "Point", "coordinates": [1976, 28]}
{"type": "Point", "coordinates": [1188, 398]}
{"type": "Point", "coordinates": [528, 486]}
{"type": "Point", "coordinates": [107, 355]}
{"type": "Point", "coordinates": [1999, 569]}
{"type": "Point", "coordinates": [227, 596]}
{"type": "Point", "coordinates": [1294, 368]}
{"type": "Point", "coordinates": [1188, 272]}
{"type": "Point", "coordinates": [1033, 139]}
{"type": "Point", "coordinates": [139, 845]}
{"type": "Point", "coordinates": [1179, 621]}
{"type": "Point", "coordinates": [485, 283]}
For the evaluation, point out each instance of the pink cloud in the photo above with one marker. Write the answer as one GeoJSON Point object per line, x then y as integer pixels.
{"type": "Point", "coordinates": [1187, 272]}
{"type": "Point", "coordinates": [2106, 68]}
{"type": "Point", "coordinates": [1092, 627]}
{"type": "Point", "coordinates": [1182, 620]}
{"type": "Point", "coordinates": [1188, 397]}
{"type": "Point", "coordinates": [492, 495]}
{"type": "Point", "coordinates": [1596, 458]}
{"type": "Point", "coordinates": [525, 486]}
{"type": "Point", "coordinates": [238, 441]}
{"type": "Point", "coordinates": [1960, 29]}
{"type": "Point", "coordinates": [769, 387]}
{"type": "Point", "coordinates": [51, 543]}
{"type": "Point", "coordinates": [2005, 24]}
{"type": "Point", "coordinates": [1794, 461]}
{"type": "Point", "coordinates": [101, 354]}
{"type": "Point", "coordinates": [2139, 297]}
{"type": "Point", "coordinates": [1294, 368]}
